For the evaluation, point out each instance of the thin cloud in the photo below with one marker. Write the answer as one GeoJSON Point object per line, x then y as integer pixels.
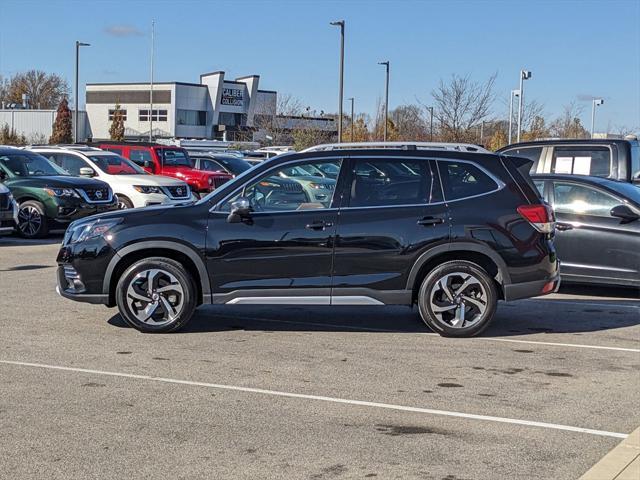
{"type": "Point", "coordinates": [123, 31]}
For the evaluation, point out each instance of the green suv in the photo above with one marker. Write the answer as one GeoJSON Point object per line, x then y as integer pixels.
{"type": "Point", "coordinates": [47, 195]}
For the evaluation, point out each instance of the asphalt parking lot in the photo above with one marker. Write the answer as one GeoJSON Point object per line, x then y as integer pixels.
{"type": "Point", "coordinates": [322, 393]}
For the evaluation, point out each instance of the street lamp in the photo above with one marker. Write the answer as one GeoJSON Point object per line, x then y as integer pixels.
{"type": "Point", "coordinates": [340, 23]}
{"type": "Point", "coordinates": [75, 128]}
{"type": "Point", "coordinates": [352, 100]}
{"type": "Point", "coordinates": [430, 123]}
{"type": "Point", "coordinates": [386, 101]}
{"type": "Point", "coordinates": [153, 32]}
{"type": "Point", "coordinates": [524, 75]}
{"type": "Point", "coordinates": [514, 93]}
{"type": "Point", "coordinates": [596, 102]}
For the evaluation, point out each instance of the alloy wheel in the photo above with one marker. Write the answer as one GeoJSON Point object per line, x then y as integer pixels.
{"type": "Point", "coordinates": [458, 300]}
{"type": "Point", "coordinates": [155, 297]}
{"type": "Point", "coordinates": [29, 220]}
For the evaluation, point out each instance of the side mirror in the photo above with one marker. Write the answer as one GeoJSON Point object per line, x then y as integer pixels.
{"type": "Point", "coordinates": [240, 210]}
{"type": "Point", "coordinates": [87, 172]}
{"type": "Point", "coordinates": [625, 213]}
{"type": "Point", "coordinates": [3, 175]}
{"type": "Point", "coordinates": [149, 164]}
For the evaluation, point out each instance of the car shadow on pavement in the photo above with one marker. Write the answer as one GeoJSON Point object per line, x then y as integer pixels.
{"type": "Point", "coordinates": [17, 241]}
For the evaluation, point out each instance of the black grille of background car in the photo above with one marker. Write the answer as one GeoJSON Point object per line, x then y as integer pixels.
{"type": "Point", "coordinates": [178, 192]}
{"type": "Point", "coordinates": [291, 187]}
{"type": "Point", "coordinates": [329, 186]}
{"type": "Point", "coordinates": [5, 204]}
{"type": "Point", "coordinates": [217, 181]}
{"type": "Point", "coordinates": [97, 194]}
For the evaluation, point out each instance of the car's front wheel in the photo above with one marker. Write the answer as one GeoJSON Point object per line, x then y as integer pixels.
{"type": "Point", "coordinates": [156, 295]}
{"type": "Point", "coordinates": [32, 220]}
{"type": "Point", "coordinates": [458, 299]}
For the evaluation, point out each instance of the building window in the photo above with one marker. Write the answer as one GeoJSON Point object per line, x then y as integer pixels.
{"type": "Point", "coordinates": [158, 115]}
{"type": "Point", "coordinates": [112, 112]}
{"type": "Point", "coordinates": [191, 117]}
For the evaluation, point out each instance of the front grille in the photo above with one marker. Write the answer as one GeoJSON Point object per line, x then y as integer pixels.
{"type": "Point", "coordinates": [101, 194]}
{"type": "Point", "coordinates": [5, 203]}
{"type": "Point", "coordinates": [179, 191]}
{"type": "Point", "coordinates": [292, 187]}
{"type": "Point", "coordinates": [329, 186]}
{"type": "Point", "coordinates": [217, 181]}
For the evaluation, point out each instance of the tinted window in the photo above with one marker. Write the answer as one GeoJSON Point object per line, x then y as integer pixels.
{"type": "Point", "coordinates": [175, 158]}
{"type": "Point", "coordinates": [635, 161]}
{"type": "Point", "coordinates": [211, 165]}
{"type": "Point", "coordinates": [382, 182]}
{"type": "Point", "coordinates": [71, 163]}
{"type": "Point", "coordinates": [461, 180]}
{"type": "Point", "coordinates": [29, 165]}
{"type": "Point", "coordinates": [532, 153]}
{"type": "Point", "coordinates": [582, 200]}
{"type": "Point", "coordinates": [585, 160]}
{"type": "Point", "coordinates": [140, 156]}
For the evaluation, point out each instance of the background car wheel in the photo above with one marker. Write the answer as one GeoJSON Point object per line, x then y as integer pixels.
{"type": "Point", "coordinates": [156, 295]}
{"type": "Point", "coordinates": [124, 202]}
{"type": "Point", "coordinates": [32, 221]}
{"type": "Point", "coordinates": [458, 299]}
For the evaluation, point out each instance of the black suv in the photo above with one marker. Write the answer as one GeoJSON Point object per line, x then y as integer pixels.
{"type": "Point", "coordinates": [450, 231]}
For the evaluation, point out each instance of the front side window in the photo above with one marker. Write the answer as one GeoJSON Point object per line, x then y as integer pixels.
{"type": "Point", "coordinates": [277, 192]}
{"type": "Point", "coordinates": [463, 180]}
{"type": "Point", "coordinates": [389, 182]}
{"type": "Point", "coordinates": [585, 160]}
{"type": "Point", "coordinates": [29, 165]}
{"type": "Point", "coordinates": [139, 156]}
{"type": "Point", "coordinates": [175, 157]}
{"type": "Point", "coordinates": [582, 200]}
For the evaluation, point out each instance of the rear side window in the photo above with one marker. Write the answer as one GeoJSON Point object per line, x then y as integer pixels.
{"type": "Point", "coordinates": [531, 153]}
{"type": "Point", "coordinates": [462, 180]}
{"type": "Point", "coordinates": [584, 160]}
{"type": "Point", "coordinates": [139, 156]}
{"type": "Point", "coordinates": [582, 200]}
{"type": "Point", "coordinates": [388, 182]}
{"type": "Point", "coordinates": [71, 163]}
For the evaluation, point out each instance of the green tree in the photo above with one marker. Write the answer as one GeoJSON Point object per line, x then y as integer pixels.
{"type": "Point", "coordinates": [62, 126]}
{"type": "Point", "coordinates": [116, 131]}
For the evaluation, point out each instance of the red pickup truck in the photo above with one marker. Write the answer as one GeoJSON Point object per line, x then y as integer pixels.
{"type": "Point", "coordinates": [167, 160]}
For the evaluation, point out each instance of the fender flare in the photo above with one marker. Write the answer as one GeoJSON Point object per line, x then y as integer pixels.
{"type": "Point", "coordinates": [167, 245]}
{"type": "Point", "coordinates": [503, 272]}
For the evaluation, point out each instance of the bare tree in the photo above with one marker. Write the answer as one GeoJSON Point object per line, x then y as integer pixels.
{"type": "Point", "coordinates": [460, 105]}
{"type": "Point", "coordinates": [43, 90]}
{"type": "Point", "coordinates": [410, 123]}
{"type": "Point", "coordinates": [568, 124]}
{"type": "Point", "coordinates": [4, 90]}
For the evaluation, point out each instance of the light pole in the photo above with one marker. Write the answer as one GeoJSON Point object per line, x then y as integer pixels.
{"type": "Point", "coordinates": [430, 123]}
{"type": "Point", "coordinates": [75, 128]}
{"type": "Point", "coordinates": [340, 23]}
{"type": "Point", "coordinates": [596, 102]}
{"type": "Point", "coordinates": [524, 75]}
{"type": "Point", "coordinates": [386, 101]}
{"type": "Point", "coordinates": [352, 100]}
{"type": "Point", "coordinates": [153, 29]}
{"type": "Point", "coordinates": [514, 93]}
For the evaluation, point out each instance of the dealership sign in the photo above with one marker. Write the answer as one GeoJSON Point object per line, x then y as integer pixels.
{"type": "Point", "coordinates": [233, 97]}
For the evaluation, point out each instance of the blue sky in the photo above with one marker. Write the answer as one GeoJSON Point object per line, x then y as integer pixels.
{"type": "Point", "coordinates": [575, 49]}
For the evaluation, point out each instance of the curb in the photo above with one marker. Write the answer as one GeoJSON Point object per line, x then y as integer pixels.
{"type": "Point", "coordinates": [621, 463]}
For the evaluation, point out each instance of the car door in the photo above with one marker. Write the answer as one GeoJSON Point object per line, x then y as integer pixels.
{"type": "Point", "coordinates": [590, 242]}
{"type": "Point", "coordinates": [392, 212]}
{"type": "Point", "coordinates": [282, 253]}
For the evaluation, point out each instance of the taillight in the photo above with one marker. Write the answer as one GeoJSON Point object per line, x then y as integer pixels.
{"type": "Point", "coordinates": [540, 216]}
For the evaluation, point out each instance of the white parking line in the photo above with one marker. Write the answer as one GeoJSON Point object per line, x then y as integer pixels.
{"type": "Point", "coordinates": [388, 406]}
{"type": "Point", "coordinates": [489, 339]}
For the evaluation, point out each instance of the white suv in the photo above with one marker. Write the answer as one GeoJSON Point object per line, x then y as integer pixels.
{"type": "Point", "coordinates": [133, 186]}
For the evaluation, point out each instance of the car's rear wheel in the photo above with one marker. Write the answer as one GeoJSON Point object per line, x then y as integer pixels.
{"type": "Point", "coordinates": [458, 299]}
{"type": "Point", "coordinates": [32, 220]}
{"type": "Point", "coordinates": [156, 295]}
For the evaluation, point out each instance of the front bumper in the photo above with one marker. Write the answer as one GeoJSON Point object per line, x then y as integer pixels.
{"type": "Point", "coordinates": [66, 211]}
{"type": "Point", "coordinates": [71, 287]}
{"type": "Point", "coordinates": [9, 218]}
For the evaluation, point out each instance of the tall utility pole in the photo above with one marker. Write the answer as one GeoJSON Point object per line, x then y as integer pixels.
{"type": "Point", "coordinates": [386, 101]}
{"type": "Point", "coordinates": [430, 123]}
{"type": "Point", "coordinates": [524, 75]}
{"type": "Point", "coordinates": [352, 117]}
{"type": "Point", "coordinates": [596, 102]}
{"type": "Point", "coordinates": [77, 102]}
{"type": "Point", "coordinates": [153, 28]}
{"type": "Point", "coordinates": [514, 93]}
{"type": "Point", "coordinates": [340, 23]}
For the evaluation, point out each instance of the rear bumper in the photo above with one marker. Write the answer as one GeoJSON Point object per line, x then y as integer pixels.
{"type": "Point", "coordinates": [516, 291]}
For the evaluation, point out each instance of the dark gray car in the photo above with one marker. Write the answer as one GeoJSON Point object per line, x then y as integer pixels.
{"type": "Point", "coordinates": [597, 230]}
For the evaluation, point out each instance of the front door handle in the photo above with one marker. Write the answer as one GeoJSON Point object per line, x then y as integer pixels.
{"type": "Point", "coordinates": [426, 221]}
{"type": "Point", "coordinates": [563, 227]}
{"type": "Point", "coordinates": [321, 225]}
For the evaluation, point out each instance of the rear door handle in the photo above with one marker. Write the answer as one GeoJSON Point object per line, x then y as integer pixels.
{"type": "Point", "coordinates": [563, 227]}
{"type": "Point", "coordinates": [321, 225]}
{"type": "Point", "coordinates": [426, 221]}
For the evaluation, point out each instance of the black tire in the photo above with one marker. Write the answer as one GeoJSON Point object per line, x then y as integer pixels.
{"type": "Point", "coordinates": [124, 203]}
{"type": "Point", "coordinates": [452, 309]}
{"type": "Point", "coordinates": [32, 220]}
{"type": "Point", "coordinates": [171, 276]}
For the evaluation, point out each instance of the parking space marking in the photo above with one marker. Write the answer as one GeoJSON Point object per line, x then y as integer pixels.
{"type": "Point", "coordinates": [388, 406]}
{"type": "Point", "coordinates": [490, 339]}
{"type": "Point", "coordinates": [582, 304]}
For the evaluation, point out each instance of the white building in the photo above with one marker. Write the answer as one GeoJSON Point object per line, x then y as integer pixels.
{"type": "Point", "coordinates": [214, 108]}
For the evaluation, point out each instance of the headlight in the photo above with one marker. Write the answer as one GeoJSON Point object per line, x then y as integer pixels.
{"type": "Point", "coordinates": [147, 189]}
{"type": "Point", "coordinates": [92, 229]}
{"type": "Point", "coordinates": [318, 186]}
{"type": "Point", "coordinates": [62, 192]}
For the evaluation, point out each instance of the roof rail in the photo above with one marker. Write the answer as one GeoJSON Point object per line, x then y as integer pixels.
{"type": "Point", "coordinates": [460, 147]}
{"type": "Point", "coordinates": [71, 146]}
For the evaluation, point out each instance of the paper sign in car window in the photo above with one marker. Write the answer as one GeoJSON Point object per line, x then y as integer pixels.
{"type": "Point", "coordinates": [582, 165]}
{"type": "Point", "coordinates": [564, 164]}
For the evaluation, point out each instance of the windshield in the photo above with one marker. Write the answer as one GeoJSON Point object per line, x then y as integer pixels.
{"type": "Point", "coordinates": [29, 165]}
{"type": "Point", "coordinates": [175, 157]}
{"type": "Point", "coordinates": [116, 165]}
{"type": "Point", "coordinates": [236, 165]}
